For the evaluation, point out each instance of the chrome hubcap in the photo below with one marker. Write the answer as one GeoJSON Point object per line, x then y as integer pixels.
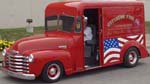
{"type": "Point", "coordinates": [53, 71]}
{"type": "Point", "coordinates": [133, 57]}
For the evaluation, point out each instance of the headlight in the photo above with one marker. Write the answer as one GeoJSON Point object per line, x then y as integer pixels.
{"type": "Point", "coordinates": [31, 58]}
{"type": "Point", "coordinates": [4, 52]}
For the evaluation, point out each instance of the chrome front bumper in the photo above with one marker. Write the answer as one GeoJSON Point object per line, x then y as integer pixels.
{"type": "Point", "coordinates": [19, 75]}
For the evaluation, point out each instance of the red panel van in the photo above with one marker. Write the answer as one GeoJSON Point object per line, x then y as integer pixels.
{"type": "Point", "coordinates": [118, 37]}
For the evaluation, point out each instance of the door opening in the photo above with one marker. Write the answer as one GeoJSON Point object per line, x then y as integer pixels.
{"type": "Point", "coordinates": [91, 38]}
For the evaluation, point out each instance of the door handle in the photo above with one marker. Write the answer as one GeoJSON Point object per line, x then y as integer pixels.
{"type": "Point", "coordinates": [62, 46]}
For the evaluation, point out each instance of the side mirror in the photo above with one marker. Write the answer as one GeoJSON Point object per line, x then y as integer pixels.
{"type": "Point", "coordinates": [85, 19]}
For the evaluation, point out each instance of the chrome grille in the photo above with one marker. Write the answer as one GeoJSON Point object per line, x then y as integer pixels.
{"type": "Point", "coordinates": [17, 63]}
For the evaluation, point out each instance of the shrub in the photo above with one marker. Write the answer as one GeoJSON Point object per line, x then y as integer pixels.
{"type": "Point", "coordinates": [5, 44]}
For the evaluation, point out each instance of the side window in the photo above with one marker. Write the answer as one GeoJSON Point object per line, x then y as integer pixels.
{"type": "Point", "coordinates": [78, 27]}
{"type": "Point", "coordinates": [66, 23]}
{"type": "Point", "coordinates": [60, 23]}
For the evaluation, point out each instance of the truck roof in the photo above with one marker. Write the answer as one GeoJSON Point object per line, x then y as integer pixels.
{"type": "Point", "coordinates": [78, 5]}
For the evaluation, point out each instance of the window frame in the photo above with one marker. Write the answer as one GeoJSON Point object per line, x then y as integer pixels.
{"type": "Point", "coordinates": [58, 18]}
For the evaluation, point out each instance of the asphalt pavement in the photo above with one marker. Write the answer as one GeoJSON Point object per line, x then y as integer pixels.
{"type": "Point", "coordinates": [110, 75]}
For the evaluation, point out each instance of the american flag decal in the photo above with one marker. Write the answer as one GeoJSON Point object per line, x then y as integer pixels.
{"type": "Point", "coordinates": [112, 47]}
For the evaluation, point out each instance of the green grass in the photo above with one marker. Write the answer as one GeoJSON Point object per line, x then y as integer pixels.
{"type": "Point", "coordinates": [147, 27]}
{"type": "Point", "coordinates": [17, 33]}
{"type": "Point", "coordinates": [147, 23]}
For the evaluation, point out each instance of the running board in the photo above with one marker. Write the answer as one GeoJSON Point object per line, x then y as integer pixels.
{"type": "Point", "coordinates": [90, 68]}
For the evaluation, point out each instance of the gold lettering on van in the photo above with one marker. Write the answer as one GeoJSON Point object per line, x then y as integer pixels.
{"type": "Point", "coordinates": [118, 18]}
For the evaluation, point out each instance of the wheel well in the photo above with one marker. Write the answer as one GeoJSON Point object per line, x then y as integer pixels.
{"type": "Point", "coordinates": [137, 50]}
{"type": "Point", "coordinates": [129, 63]}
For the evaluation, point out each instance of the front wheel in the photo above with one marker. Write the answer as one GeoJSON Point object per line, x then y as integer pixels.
{"type": "Point", "coordinates": [52, 72]}
{"type": "Point", "coordinates": [131, 57]}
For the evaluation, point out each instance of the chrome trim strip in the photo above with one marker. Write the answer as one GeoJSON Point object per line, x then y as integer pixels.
{"type": "Point", "coordinates": [19, 67]}
{"type": "Point", "coordinates": [16, 63]}
{"type": "Point", "coordinates": [19, 75]}
{"type": "Point", "coordinates": [62, 46]}
{"type": "Point", "coordinates": [90, 68]}
{"type": "Point", "coordinates": [17, 57]}
{"type": "Point", "coordinates": [19, 60]}
{"type": "Point", "coordinates": [17, 70]}
{"type": "Point", "coordinates": [19, 63]}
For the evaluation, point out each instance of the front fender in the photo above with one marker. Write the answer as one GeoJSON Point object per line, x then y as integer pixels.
{"type": "Point", "coordinates": [41, 58]}
{"type": "Point", "coordinates": [142, 49]}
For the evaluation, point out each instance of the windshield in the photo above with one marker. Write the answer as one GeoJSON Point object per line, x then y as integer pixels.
{"type": "Point", "coordinates": [60, 23]}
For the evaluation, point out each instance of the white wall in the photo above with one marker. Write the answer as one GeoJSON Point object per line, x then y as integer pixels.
{"type": "Point", "coordinates": [13, 13]}
{"type": "Point", "coordinates": [147, 10]}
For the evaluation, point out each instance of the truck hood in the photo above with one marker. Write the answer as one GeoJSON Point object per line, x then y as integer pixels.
{"type": "Point", "coordinates": [43, 42]}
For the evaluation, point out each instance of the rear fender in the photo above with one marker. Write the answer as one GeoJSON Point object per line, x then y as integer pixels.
{"type": "Point", "coordinates": [141, 48]}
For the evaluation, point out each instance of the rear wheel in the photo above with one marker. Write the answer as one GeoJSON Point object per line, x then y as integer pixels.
{"type": "Point", "coordinates": [52, 72]}
{"type": "Point", "coordinates": [131, 57]}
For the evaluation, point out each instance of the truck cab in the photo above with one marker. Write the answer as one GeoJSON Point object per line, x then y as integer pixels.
{"type": "Point", "coordinates": [118, 37]}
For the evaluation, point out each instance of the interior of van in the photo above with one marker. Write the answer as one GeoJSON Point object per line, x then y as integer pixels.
{"type": "Point", "coordinates": [91, 47]}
